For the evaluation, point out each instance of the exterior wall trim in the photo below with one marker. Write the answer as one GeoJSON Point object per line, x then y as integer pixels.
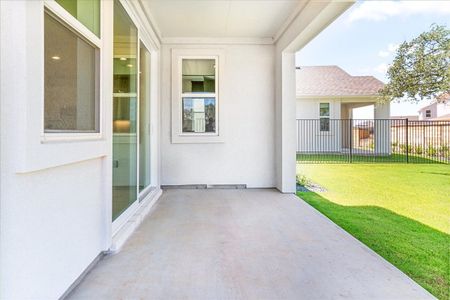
{"type": "Point", "coordinates": [149, 29]}
{"type": "Point", "coordinates": [217, 41]}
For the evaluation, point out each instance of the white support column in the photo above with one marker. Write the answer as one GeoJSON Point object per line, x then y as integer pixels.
{"type": "Point", "coordinates": [285, 131]}
{"type": "Point", "coordinates": [382, 129]}
{"type": "Point", "coordinates": [311, 17]}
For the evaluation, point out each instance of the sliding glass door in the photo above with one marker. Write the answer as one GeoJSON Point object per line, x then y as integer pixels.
{"type": "Point", "coordinates": [131, 114]}
{"type": "Point", "coordinates": [124, 111]}
{"type": "Point", "coordinates": [144, 118]}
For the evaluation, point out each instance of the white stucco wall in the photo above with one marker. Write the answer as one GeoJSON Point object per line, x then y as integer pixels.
{"type": "Point", "coordinates": [309, 137]}
{"type": "Point", "coordinates": [431, 108]}
{"type": "Point", "coordinates": [53, 209]}
{"type": "Point", "coordinates": [53, 227]}
{"type": "Point", "coordinates": [309, 108]}
{"type": "Point", "coordinates": [443, 109]}
{"type": "Point", "coordinates": [437, 110]}
{"type": "Point", "coordinates": [246, 155]}
{"type": "Point", "coordinates": [55, 197]}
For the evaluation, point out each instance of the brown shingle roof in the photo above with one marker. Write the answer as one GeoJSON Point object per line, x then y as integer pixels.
{"type": "Point", "coordinates": [333, 81]}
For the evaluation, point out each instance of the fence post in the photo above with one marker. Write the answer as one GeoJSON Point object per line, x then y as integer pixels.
{"type": "Point", "coordinates": [407, 141]}
{"type": "Point", "coordinates": [351, 140]}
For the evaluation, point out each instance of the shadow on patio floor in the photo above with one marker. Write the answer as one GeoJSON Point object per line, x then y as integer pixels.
{"type": "Point", "coordinates": [417, 249]}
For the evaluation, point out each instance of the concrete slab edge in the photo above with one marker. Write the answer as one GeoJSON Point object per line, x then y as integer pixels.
{"type": "Point", "coordinates": [204, 186]}
{"type": "Point", "coordinates": [82, 275]}
{"type": "Point", "coordinates": [366, 248]}
{"type": "Point", "coordinates": [147, 206]}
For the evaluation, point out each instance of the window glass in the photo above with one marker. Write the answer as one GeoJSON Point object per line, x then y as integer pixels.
{"type": "Point", "coordinates": [324, 124]}
{"type": "Point", "coordinates": [85, 11]}
{"type": "Point", "coordinates": [199, 114]}
{"type": "Point", "coordinates": [324, 113]}
{"type": "Point", "coordinates": [324, 109]}
{"type": "Point", "coordinates": [428, 113]}
{"type": "Point", "coordinates": [71, 99]}
{"type": "Point", "coordinates": [199, 110]}
{"type": "Point", "coordinates": [199, 76]}
{"type": "Point", "coordinates": [144, 118]}
{"type": "Point", "coordinates": [125, 109]}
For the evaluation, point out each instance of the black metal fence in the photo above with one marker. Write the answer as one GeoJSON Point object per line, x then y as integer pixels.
{"type": "Point", "coordinates": [372, 140]}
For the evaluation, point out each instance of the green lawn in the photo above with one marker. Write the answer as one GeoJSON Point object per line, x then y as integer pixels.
{"type": "Point", "coordinates": [401, 211]}
{"type": "Point", "coordinates": [355, 158]}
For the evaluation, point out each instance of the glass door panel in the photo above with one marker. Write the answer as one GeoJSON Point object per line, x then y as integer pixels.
{"type": "Point", "coordinates": [144, 118]}
{"type": "Point", "coordinates": [124, 111]}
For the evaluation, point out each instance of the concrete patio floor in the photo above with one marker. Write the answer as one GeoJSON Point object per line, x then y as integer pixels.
{"type": "Point", "coordinates": [243, 244]}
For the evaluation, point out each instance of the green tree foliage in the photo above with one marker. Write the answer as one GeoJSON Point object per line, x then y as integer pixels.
{"type": "Point", "coordinates": [421, 67]}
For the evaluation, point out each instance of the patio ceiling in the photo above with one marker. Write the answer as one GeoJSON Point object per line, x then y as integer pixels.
{"type": "Point", "coordinates": [261, 19]}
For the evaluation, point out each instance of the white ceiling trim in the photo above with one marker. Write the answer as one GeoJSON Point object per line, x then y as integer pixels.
{"type": "Point", "coordinates": [290, 19]}
{"type": "Point", "coordinates": [151, 20]}
{"type": "Point", "coordinates": [218, 41]}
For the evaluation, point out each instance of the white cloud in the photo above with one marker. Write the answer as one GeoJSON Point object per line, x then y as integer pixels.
{"type": "Point", "coordinates": [381, 10]}
{"type": "Point", "coordinates": [381, 68]}
{"type": "Point", "coordinates": [390, 49]}
{"type": "Point", "coordinates": [383, 53]}
{"type": "Point", "coordinates": [393, 47]}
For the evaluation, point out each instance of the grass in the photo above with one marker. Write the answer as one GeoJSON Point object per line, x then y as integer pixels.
{"type": "Point", "coordinates": [401, 211]}
{"type": "Point", "coordinates": [344, 158]}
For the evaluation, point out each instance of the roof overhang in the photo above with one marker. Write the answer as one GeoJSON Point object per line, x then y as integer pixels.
{"type": "Point", "coordinates": [234, 21]}
{"type": "Point", "coordinates": [353, 97]}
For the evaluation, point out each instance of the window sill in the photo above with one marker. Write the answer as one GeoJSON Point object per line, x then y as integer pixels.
{"type": "Point", "coordinates": [70, 137]}
{"type": "Point", "coordinates": [197, 139]}
{"type": "Point", "coordinates": [207, 134]}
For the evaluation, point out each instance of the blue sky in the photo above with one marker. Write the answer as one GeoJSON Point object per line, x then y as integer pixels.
{"type": "Point", "coordinates": [363, 40]}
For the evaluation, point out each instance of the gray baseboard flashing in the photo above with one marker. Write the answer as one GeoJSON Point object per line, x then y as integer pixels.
{"type": "Point", "coordinates": [184, 186]}
{"type": "Point", "coordinates": [204, 186]}
{"type": "Point", "coordinates": [227, 186]}
{"type": "Point", "coordinates": [82, 275]}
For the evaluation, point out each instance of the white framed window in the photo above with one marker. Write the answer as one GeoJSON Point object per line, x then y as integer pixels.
{"type": "Point", "coordinates": [428, 113]}
{"type": "Point", "coordinates": [196, 96]}
{"type": "Point", "coordinates": [85, 11]}
{"type": "Point", "coordinates": [324, 117]}
{"type": "Point", "coordinates": [199, 98]}
{"type": "Point", "coordinates": [71, 75]}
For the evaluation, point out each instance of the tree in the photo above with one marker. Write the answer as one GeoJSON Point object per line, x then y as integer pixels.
{"type": "Point", "coordinates": [421, 68]}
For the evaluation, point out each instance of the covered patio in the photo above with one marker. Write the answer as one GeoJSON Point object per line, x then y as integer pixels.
{"type": "Point", "coordinates": [242, 244]}
{"type": "Point", "coordinates": [105, 102]}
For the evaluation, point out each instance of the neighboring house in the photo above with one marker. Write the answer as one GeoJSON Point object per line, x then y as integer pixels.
{"type": "Point", "coordinates": [442, 118]}
{"type": "Point", "coordinates": [329, 94]}
{"type": "Point", "coordinates": [338, 91]}
{"type": "Point", "coordinates": [409, 117]}
{"type": "Point", "coordinates": [423, 134]}
{"type": "Point", "coordinates": [104, 102]}
{"type": "Point", "coordinates": [438, 110]}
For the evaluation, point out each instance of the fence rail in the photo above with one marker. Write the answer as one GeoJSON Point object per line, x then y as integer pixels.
{"type": "Point", "coordinates": [372, 140]}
